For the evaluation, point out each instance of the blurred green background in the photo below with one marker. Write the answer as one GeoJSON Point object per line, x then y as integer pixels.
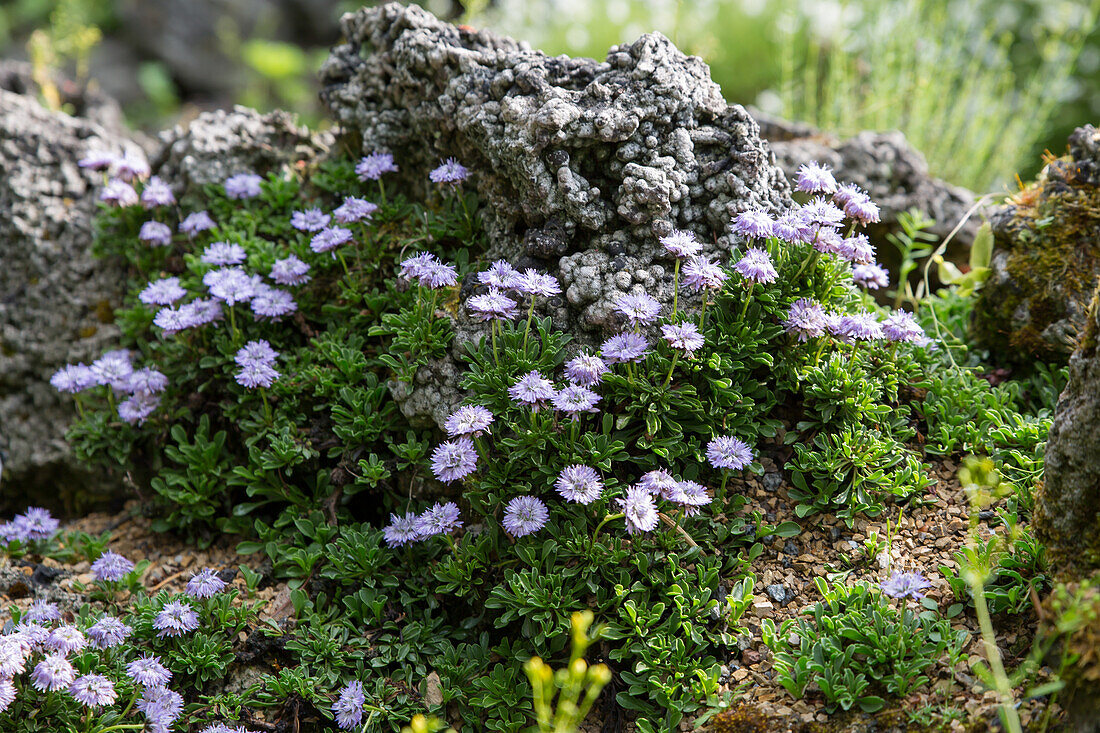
{"type": "Point", "coordinates": [981, 87]}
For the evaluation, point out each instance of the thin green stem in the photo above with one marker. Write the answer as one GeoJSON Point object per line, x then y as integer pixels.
{"type": "Point", "coordinates": [233, 325]}
{"type": "Point", "coordinates": [267, 405]}
{"type": "Point", "coordinates": [668, 377]}
{"type": "Point", "coordinates": [493, 332]}
{"type": "Point", "coordinates": [527, 328]}
{"type": "Point", "coordinates": [993, 655]}
{"type": "Point", "coordinates": [382, 191]}
{"type": "Point", "coordinates": [675, 288]}
{"type": "Point", "coordinates": [748, 298]}
{"type": "Point", "coordinates": [722, 486]}
{"type": "Point", "coordinates": [608, 518]}
{"type": "Point", "coordinates": [340, 255]}
{"type": "Point", "coordinates": [703, 311]}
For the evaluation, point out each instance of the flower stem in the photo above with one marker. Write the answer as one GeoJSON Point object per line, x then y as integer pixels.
{"type": "Point", "coordinates": [748, 299]}
{"type": "Point", "coordinates": [668, 377]}
{"type": "Point", "coordinates": [608, 518]}
{"type": "Point", "coordinates": [527, 328]}
{"type": "Point", "coordinates": [267, 406]}
{"type": "Point", "coordinates": [675, 288]}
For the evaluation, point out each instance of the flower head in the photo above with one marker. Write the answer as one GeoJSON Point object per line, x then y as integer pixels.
{"type": "Point", "coordinates": [53, 673]}
{"type": "Point", "coordinates": [147, 380]}
{"type": "Point", "coordinates": [13, 655]}
{"type": "Point", "coordinates": [439, 519]}
{"type": "Point", "coordinates": [148, 671]}
{"type": "Point", "coordinates": [348, 707]}
{"type": "Point", "coordinates": [7, 693]}
{"type": "Point", "coordinates": [155, 234]}
{"type": "Point", "coordinates": [269, 302]}
{"type": "Point", "coordinates": [857, 327]}
{"type": "Point", "coordinates": [729, 452]}
{"type": "Point", "coordinates": [575, 399]}
{"type": "Point", "coordinates": [230, 284]}
{"type": "Point", "coordinates": [197, 222]}
{"type": "Point", "coordinates": [533, 282]}
{"type": "Point", "coordinates": [451, 171]}
{"type": "Point", "coordinates": [579, 484]}
{"type": "Point", "coordinates": [625, 347]}
{"type": "Point", "coordinates": [701, 274]}
{"type": "Point", "coordinates": [243, 186]}
{"type": "Point", "coordinates": [492, 306]}
{"type": "Point", "coordinates": [402, 530]}
{"type": "Point", "coordinates": [815, 178]}
{"type": "Point", "coordinates": [256, 374]}
{"type": "Point", "coordinates": [165, 291]}
{"type": "Point", "coordinates": [902, 326]}
{"type": "Point", "coordinates": [97, 160]}
{"type": "Point", "coordinates": [500, 275]}
{"type": "Point", "coordinates": [659, 483]}
{"type": "Point", "coordinates": [684, 336]}
{"type": "Point", "coordinates": [792, 227]}
{"type": "Point", "coordinates": [66, 640]}
{"type": "Point", "coordinates": [176, 618]}
{"type": "Point", "coordinates": [639, 308]}
{"type": "Point", "coordinates": [753, 224]}
{"type": "Point", "coordinates": [906, 585]}
{"type": "Point", "coordinates": [468, 420]}
{"type": "Point", "coordinates": [290, 271]}
{"type": "Point", "coordinates": [845, 192]}
{"type": "Point", "coordinates": [118, 193]}
{"type": "Point", "coordinates": [439, 275]}
{"type": "Point", "coordinates": [256, 352]}
{"type": "Point", "coordinates": [756, 266]}
{"type": "Point", "coordinates": [691, 495]}
{"type": "Point", "coordinates": [354, 209]}
{"type": "Point", "coordinates": [223, 253]}
{"type": "Point", "coordinates": [136, 409]}
{"type": "Point", "coordinates": [805, 318]}
{"type": "Point", "coordinates": [131, 165]}
{"type": "Point", "coordinates": [373, 166]}
{"type": "Point", "coordinates": [42, 611]}
{"type": "Point", "coordinates": [417, 266]}
{"type": "Point", "coordinates": [37, 523]}
{"type": "Point", "coordinates": [113, 369]}
{"type": "Point", "coordinates": [454, 459]}
{"type": "Point", "coordinates": [822, 213]}
{"type": "Point", "coordinates": [108, 632]}
{"type": "Point", "coordinates": [681, 243]}
{"type": "Point", "coordinates": [525, 515]}
{"type": "Point", "coordinates": [532, 389]}
{"type": "Point", "coordinates": [871, 276]}
{"type": "Point", "coordinates": [639, 509]}
{"type": "Point", "coordinates": [862, 209]}
{"type": "Point", "coordinates": [110, 566]}
{"type": "Point", "coordinates": [73, 378]}
{"type": "Point", "coordinates": [157, 193]}
{"type": "Point", "coordinates": [205, 584]}
{"type": "Point", "coordinates": [93, 690]}
{"type": "Point", "coordinates": [585, 370]}
{"type": "Point", "coordinates": [161, 707]}
{"type": "Point", "coordinates": [329, 239]}
{"type": "Point", "coordinates": [857, 249]}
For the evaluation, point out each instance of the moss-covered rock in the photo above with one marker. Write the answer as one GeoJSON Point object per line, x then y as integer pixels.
{"type": "Point", "coordinates": [1046, 260]}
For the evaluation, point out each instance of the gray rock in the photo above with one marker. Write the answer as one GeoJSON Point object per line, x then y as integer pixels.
{"type": "Point", "coordinates": [772, 480]}
{"type": "Point", "coordinates": [777, 592]}
{"type": "Point", "coordinates": [582, 164]}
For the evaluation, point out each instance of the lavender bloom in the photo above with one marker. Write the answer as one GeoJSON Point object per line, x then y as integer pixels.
{"type": "Point", "coordinates": [37, 523]}
{"type": "Point", "coordinates": [255, 375]}
{"type": "Point", "coordinates": [290, 271]}
{"type": "Point", "coordinates": [53, 673]}
{"type": "Point", "coordinates": [500, 275]}
{"type": "Point", "coordinates": [639, 309]}
{"type": "Point", "coordinates": [230, 284]}
{"type": "Point", "coordinates": [113, 369]}
{"type": "Point", "coordinates": [73, 378]}
{"type": "Point", "coordinates": [224, 253]}
{"type": "Point", "coordinates": [148, 671]}
{"type": "Point", "coordinates": [135, 409]}
{"type": "Point", "coordinates": [492, 306]}
{"type": "Point", "coordinates": [174, 320]}
{"type": "Point", "coordinates": [272, 303]}
{"type": "Point", "coordinates": [729, 452]}
{"type": "Point", "coordinates": [684, 336]}
{"type": "Point", "coordinates": [451, 171]}
{"type": "Point", "coordinates": [42, 611]}
{"type": "Point", "coordinates": [624, 348]}
{"type": "Point", "coordinates": [329, 239]}
{"type": "Point", "coordinates": [256, 352]}
{"type": "Point", "coordinates": [155, 234]}
{"type": "Point", "coordinates": [857, 249]}
{"type": "Point", "coordinates": [533, 283]}
{"type": "Point", "coordinates": [579, 484]}
{"type": "Point", "coordinates": [111, 567]}
{"type": "Point", "coordinates": [906, 585]}
{"type": "Point", "coordinates": [354, 209]}
{"type": "Point", "coordinates": [197, 222]}
{"type": "Point", "coordinates": [176, 618]}
{"type": "Point", "coordinates": [348, 708]}
{"type": "Point", "coordinates": [130, 165]}
{"type": "Point", "coordinates": [7, 693]}
{"type": "Point", "coordinates": [791, 227]}
{"type": "Point", "coordinates": [454, 459]}
{"type": "Point", "coordinates": [243, 186]}
{"type": "Point", "coordinates": [147, 381]}
{"type": "Point", "coordinates": [439, 519]}
{"type": "Point", "coordinates": [806, 318]}
{"type": "Point", "coordinates": [846, 192]}
{"type": "Point", "coordinates": [205, 584]}
{"type": "Point", "coordinates": [468, 420]}
{"type": "Point", "coordinates": [872, 276]}
{"type": "Point", "coordinates": [223, 728]}
{"type": "Point", "coordinates": [93, 690]}
{"type": "Point", "coordinates": [639, 509]}
{"type": "Point", "coordinates": [13, 656]}
{"type": "Point", "coordinates": [202, 311]}
{"type": "Point", "coordinates": [439, 275]}
{"type": "Point", "coordinates": [402, 530]}
{"type": "Point", "coordinates": [575, 399]}
{"type": "Point", "coordinates": [700, 274]}
{"type": "Point", "coordinates": [822, 212]}
{"type": "Point", "coordinates": [66, 640]}
{"type": "Point", "coordinates": [815, 178]}
{"type": "Point", "coordinates": [828, 241]}
{"type": "Point", "coordinates": [165, 291]}
{"type": "Point", "coordinates": [415, 267]}
{"type": "Point", "coordinates": [524, 515]}
{"type": "Point", "coordinates": [902, 326]}
{"type": "Point", "coordinates": [659, 483]}
{"type": "Point", "coordinates": [862, 209]}
{"type": "Point", "coordinates": [108, 632]}
{"type": "Point", "coordinates": [681, 244]}
{"type": "Point", "coordinates": [860, 327]}
{"type": "Point", "coordinates": [157, 193]}
{"type": "Point", "coordinates": [373, 166]}
{"type": "Point", "coordinates": [118, 193]}
{"type": "Point", "coordinates": [532, 389]}
{"type": "Point", "coordinates": [585, 370]}
{"type": "Point", "coordinates": [97, 160]}
{"type": "Point", "coordinates": [30, 635]}
{"type": "Point", "coordinates": [756, 266]}
{"type": "Point", "coordinates": [161, 707]}
{"type": "Point", "coordinates": [753, 224]}
{"type": "Point", "coordinates": [691, 495]}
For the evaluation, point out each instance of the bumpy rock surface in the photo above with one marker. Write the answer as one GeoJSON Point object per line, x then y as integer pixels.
{"type": "Point", "coordinates": [583, 164]}
{"type": "Point", "coordinates": [56, 301]}
{"type": "Point", "coordinates": [1046, 259]}
{"type": "Point", "coordinates": [889, 168]}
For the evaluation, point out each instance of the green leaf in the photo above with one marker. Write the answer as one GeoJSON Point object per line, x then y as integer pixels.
{"type": "Point", "coordinates": [788, 529]}
{"type": "Point", "coordinates": [870, 703]}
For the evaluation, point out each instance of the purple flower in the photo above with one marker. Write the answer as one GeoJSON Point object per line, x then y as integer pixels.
{"type": "Point", "coordinates": [753, 224]}
{"type": "Point", "coordinates": [157, 193]}
{"type": "Point", "coordinates": [681, 244]}
{"type": "Point", "coordinates": [439, 275]}
{"type": "Point", "coordinates": [73, 378]}
{"type": "Point", "coordinates": [161, 707]}
{"type": "Point", "coordinates": [373, 166]}
{"type": "Point", "coordinates": [624, 348]}
{"type": "Point", "coordinates": [683, 336]}
{"type": "Point", "coordinates": [224, 253]}
{"type": "Point", "coordinates": [110, 566]}
{"type": "Point", "coordinates": [639, 510]}
{"type": "Point", "coordinates": [148, 671]}
{"type": "Point", "coordinates": [256, 352]}
{"type": "Point", "coordinates": [858, 327]}
{"type": "Point", "coordinates": [454, 459]}
{"type": "Point", "coordinates": [135, 409]}
{"type": "Point", "coordinates": [113, 369]}
{"type": "Point", "coordinates": [53, 673]}
{"type": "Point", "coordinates": [575, 399]}
{"type": "Point", "coordinates": [845, 192]}
{"type": "Point", "coordinates": [902, 326]}
{"type": "Point", "coordinates": [118, 193]}
{"type": "Point", "coordinates": [532, 389]}
{"type": "Point", "coordinates": [492, 306]}
{"type": "Point", "coordinates": [691, 495]}
{"type": "Point", "coordinates": [290, 271]}
{"type": "Point", "coordinates": [176, 618]}
{"type": "Point", "coordinates": [202, 311]}
{"type": "Point", "coordinates": [147, 381]}
{"type": "Point", "coordinates": [439, 519]}
{"type": "Point", "coordinates": [13, 656]}
{"type": "Point", "coordinates": [272, 303]}
{"type": "Point", "coordinates": [579, 484]}
{"type": "Point", "coordinates": [524, 515]}
{"type": "Point", "coordinates": [93, 690]}
{"type": "Point", "coordinates": [468, 420]}
{"type": "Point", "coordinates": [534, 283]}
{"type": "Point", "coordinates": [42, 611]}
{"type": "Point", "coordinates": [197, 222]}
{"type": "Point", "coordinates": [639, 308]}
{"type": "Point", "coordinates": [354, 209]}
{"type": "Point", "coordinates": [862, 209]}
{"type": "Point", "coordinates": [131, 165]}
{"type": "Point", "coordinates": [805, 318]}
{"type": "Point", "coordinates": [7, 693]}
{"type": "Point", "coordinates": [155, 234]}
{"type": "Point", "coordinates": [231, 285]}
{"type": "Point", "coordinates": [815, 178]}
{"type": "Point", "coordinates": [872, 276]}
{"type": "Point", "coordinates": [857, 249]}
{"type": "Point", "coordinates": [165, 291]}
{"type": "Point", "coordinates": [500, 275]}
{"type": "Point", "coordinates": [451, 171]}
{"type": "Point", "coordinates": [791, 227]}
{"type": "Point", "coordinates": [827, 241]}
{"type": "Point", "coordinates": [174, 320]}
{"type": "Point", "coordinates": [402, 530]}
{"type": "Point", "coordinates": [97, 160]}
{"type": "Point", "coordinates": [729, 452]}
{"type": "Point", "coordinates": [329, 239]}
{"type": "Point", "coordinates": [415, 267]}
{"type": "Point", "coordinates": [906, 585]}
{"type": "Point", "coordinates": [243, 186]}
{"type": "Point", "coordinates": [348, 708]}
{"type": "Point", "coordinates": [108, 632]}
{"type": "Point", "coordinates": [205, 584]}
{"type": "Point", "coordinates": [756, 266]}
{"type": "Point", "coordinates": [585, 370]}
{"type": "Point", "coordinates": [700, 274]}
{"type": "Point", "coordinates": [66, 640]}
{"type": "Point", "coordinates": [659, 483]}
{"type": "Point", "coordinates": [822, 212]}
{"type": "Point", "coordinates": [256, 374]}
{"type": "Point", "coordinates": [37, 523]}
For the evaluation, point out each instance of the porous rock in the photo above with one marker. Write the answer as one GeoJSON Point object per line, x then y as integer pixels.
{"type": "Point", "coordinates": [1046, 259]}
{"type": "Point", "coordinates": [582, 164]}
